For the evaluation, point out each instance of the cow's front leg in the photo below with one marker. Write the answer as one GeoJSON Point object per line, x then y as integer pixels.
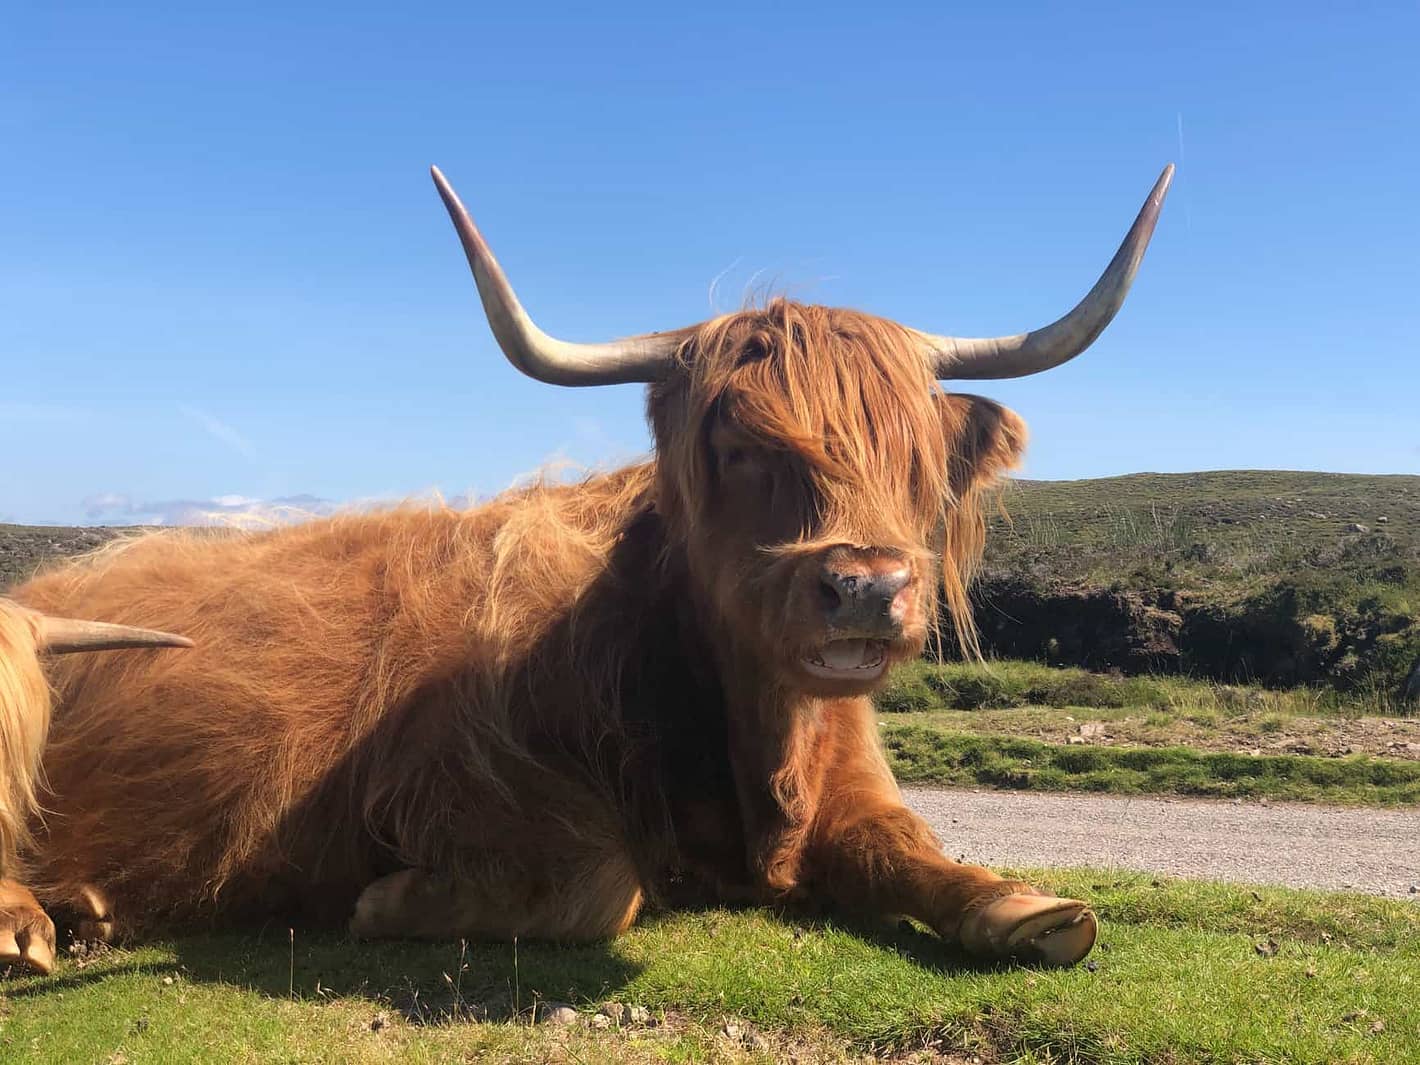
{"type": "Point", "coordinates": [868, 851]}
{"type": "Point", "coordinates": [880, 856]}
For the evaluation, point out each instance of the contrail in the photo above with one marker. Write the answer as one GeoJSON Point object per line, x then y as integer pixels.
{"type": "Point", "coordinates": [1187, 214]}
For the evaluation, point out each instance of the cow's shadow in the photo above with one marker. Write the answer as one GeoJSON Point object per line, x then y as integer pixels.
{"type": "Point", "coordinates": [445, 982]}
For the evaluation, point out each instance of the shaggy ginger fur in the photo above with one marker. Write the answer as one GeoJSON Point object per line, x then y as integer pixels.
{"type": "Point", "coordinates": [24, 724]}
{"type": "Point", "coordinates": [529, 717]}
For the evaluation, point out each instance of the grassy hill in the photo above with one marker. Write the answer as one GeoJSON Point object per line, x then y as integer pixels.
{"type": "Point", "coordinates": [1272, 576]}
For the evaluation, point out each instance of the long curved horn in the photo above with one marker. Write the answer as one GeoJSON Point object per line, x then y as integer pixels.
{"type": "Point", "coordinates": [62, 636]}
{"type": "Point", "coordinates": [993, 358]}
{"type": "Point", "coordinates": [557, 362]}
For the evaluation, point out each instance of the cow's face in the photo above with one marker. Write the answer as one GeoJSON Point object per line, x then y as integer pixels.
{"type": "Point", "coordinates": [824, 487]}
{"type": "Point", "coordinates": [808, 461]}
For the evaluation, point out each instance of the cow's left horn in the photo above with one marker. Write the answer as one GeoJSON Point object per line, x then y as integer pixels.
{"type": "Point", "coordinates": [557, 362]}
{"type": "Point", "coordinates": [62, 636]}
{"type": "Point", "coordinates": [960, 358]}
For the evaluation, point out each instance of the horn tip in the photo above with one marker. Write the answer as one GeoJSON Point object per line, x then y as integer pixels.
{"type": "Point", "coordinates": [1165, 179]}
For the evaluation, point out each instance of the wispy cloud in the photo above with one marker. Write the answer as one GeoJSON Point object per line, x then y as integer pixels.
{"type": "Point", "coordinates": [115, 508]}
{"type": "Point", "coordinates": [219, 430]}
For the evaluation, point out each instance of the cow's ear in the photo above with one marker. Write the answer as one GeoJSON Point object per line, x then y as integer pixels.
{"type": "Point", "coordinates": [984, 440]}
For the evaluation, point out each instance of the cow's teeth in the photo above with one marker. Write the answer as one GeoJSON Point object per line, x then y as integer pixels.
{"type": "Point", "coordinates": [842, 657]}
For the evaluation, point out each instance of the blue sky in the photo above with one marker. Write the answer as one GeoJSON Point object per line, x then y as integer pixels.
{"type": "Point", "coordinates": [224, 274]}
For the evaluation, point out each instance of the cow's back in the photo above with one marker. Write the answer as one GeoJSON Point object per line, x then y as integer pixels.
{"type": "Point", "coordinates": [239, 770]}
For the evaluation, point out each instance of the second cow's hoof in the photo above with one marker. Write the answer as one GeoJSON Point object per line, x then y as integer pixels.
{"type": "Point", "coordinates": [26, 940]}
{"type": "Point", "coordinates": [1038, 928]}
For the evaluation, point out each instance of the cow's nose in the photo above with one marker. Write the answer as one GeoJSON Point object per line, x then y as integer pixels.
{"type": "Point", "coordinates": [864, 595]}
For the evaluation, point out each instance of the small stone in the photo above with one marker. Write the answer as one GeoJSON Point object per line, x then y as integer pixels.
{"type": "Point", "coordinates": [556, 1013]}
{"type": "Point", "coordinates": [614, 1011]}
{"type": "Point", "coordinates": [732, 1031]}
{"type": "Point", "coordinates": [1356, 527]}
{"type": "Point", "coordinates": [1382, 520]}
{"type": "Point", "coordinates": [600, 1022]}
{"type": "Point", "coordinates": [638, 1015]}
{"type": "Point", "coordinates": [1415, 889]}
{"type": "Point", "coordinates": [379, 1021]}
{"type": "Point", "coordinates": [1092, 966]}
{"type": "Point", "coordinates": [1077, 739]}
{"type": "Point", "coordinates": [1377, 1027]}
{"type": "Point", "coordinates": [1092, 730]}
{"type": "Point", "coordinates": [1267, 949]}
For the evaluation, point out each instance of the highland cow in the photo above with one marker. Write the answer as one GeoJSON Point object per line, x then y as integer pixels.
{"type": "Point", "coordinates": [535, 716]}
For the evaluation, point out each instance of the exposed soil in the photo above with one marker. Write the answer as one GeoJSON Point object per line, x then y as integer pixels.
{"type": "Point", "coordinates": [1334, 737]}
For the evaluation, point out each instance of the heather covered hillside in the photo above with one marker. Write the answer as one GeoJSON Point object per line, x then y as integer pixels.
{"type": "Point", "coordinates": [1278, 577]}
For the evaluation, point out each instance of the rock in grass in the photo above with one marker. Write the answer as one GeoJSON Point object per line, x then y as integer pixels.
{"type": "Point", "coordinates": [559, 1014]}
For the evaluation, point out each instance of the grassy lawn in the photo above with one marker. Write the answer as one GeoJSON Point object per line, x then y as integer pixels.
{"type": "Point", "coordinates": [925, 755]}
{"type": "Point", "coordinates": [1028, 726]}
{"type": "Point", "coordinates": [1185, 972]}
{"type": "Point", "coordinates": [1007, 684]}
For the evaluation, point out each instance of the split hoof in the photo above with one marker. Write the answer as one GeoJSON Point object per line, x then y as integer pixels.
{"type": "Point", "coordinates": [27, 940]}
{"type": "Point", "coordinates": [93, 916]}
{"type": "Point", "coordinates": [1038, 928]}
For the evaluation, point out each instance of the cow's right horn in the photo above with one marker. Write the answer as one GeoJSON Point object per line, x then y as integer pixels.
{"type": "Point", "coordinates": [994, 358]}
{"type": "Point", "coordinates": [545, 358]}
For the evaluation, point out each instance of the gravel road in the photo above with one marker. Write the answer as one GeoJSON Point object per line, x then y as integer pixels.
{"type": "Point", "coordinates": [1296, 845]}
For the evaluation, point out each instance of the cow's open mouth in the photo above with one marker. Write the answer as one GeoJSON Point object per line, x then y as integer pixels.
{"type": "Point", "coordinates": [847, 660]}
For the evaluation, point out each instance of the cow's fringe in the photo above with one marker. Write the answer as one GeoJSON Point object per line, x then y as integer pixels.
{"type": "Point", "coordinates": [24, 725]}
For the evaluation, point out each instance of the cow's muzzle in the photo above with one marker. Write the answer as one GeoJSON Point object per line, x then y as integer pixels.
{"type": "Point", "coordinates": [865, 595]}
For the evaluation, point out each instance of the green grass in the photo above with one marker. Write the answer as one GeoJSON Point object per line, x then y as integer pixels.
{"type": "Point", "coordinates": [1007, 684]}
{"type": "Point", "coordinates": [1184, 972]}
{"type": "Point", "coordinates": [1018, 725]}
{"type": "Point", "coordinates": [925, 755]}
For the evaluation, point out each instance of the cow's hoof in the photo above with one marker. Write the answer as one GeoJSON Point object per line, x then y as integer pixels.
{"type": "Point", "coordinates": [93, 916]}
{"type": "Point", "coordinates": [26, 939]}
{"type": "Point", "coordinates": [1038, 928]}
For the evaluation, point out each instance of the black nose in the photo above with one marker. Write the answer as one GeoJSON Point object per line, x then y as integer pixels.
{"type": "Point", "coordinates": [861, 596]}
